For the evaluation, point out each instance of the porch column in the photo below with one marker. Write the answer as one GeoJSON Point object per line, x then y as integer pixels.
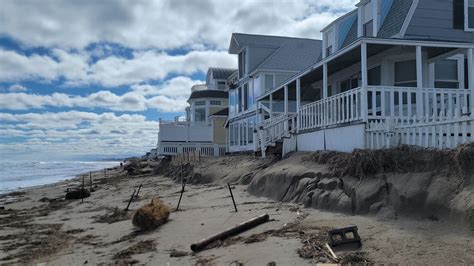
{"type": "Point", "coordinates": [325, 81]}
{"type": "Point", "coordinates": [271, 105]}
{"type": "Point", "coordinates": [419, 82]}
{"type": "Point", "coordinates": [470, 76]}
{"type": "Point", "coordinates": [363, 67]}
{"type": "Point", "coordinates": [285, 106]}
{"type": "Point", "coordinates": [298, 103]}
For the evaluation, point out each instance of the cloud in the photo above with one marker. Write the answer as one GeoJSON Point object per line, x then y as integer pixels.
{"type": "Point", "coordinates": [16, 87]}
{"type": "Point", "coordinates": [170, 96]}
{"type": "Point", "coordinates": [112, 71]}
{"type": "Point", "coordinates": [77, 133]}
{"type": "Point", "coordinates": [161, 24]}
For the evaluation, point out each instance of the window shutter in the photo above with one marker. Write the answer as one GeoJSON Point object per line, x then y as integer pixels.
{"type": "Point", "coordinates": [458, 14]}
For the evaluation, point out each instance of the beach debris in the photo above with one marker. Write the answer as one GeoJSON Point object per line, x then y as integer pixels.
{"type": "Point", "coordinates": [130, 201]}
{"type": "Point", "coordinates": [138, 248]}
{"type": "Point", "coordinates": [176, 253]}
{"type": "Point", "coordinates": [232, 196]}
{"type": "Point", "coordinates": [271, 263]}
{"type": "Point", "coordinates": [181, 195]}
{"type": "Point", "coordinates": [331, 251]}
{"type": "Point", "coordinates": [116, 215]}
{"type": "Point", "coordinates": [77, 194]}
{"type": "Point", "coordinates": [346, 235]}
{"type": "Point", "coordinates": [196, 247]}
{"type": "Point", "coordinates": [152, 215]}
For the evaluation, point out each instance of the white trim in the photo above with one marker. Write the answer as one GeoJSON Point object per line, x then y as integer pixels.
{"type": "Point", "coordinates": [419, 68]}
{"type": "Point", "coordinates": [338, 20]}
{"type": "Point", "coordinates": [325, 81]}
{"type": "Point", "coordinates": [470, 63]}
{"type": "Point", "coordinates": [466, 16]}
{"type": "Point", "coordinates": [407, 21]}
{"type": "Point", "coordinates": [375, 18]}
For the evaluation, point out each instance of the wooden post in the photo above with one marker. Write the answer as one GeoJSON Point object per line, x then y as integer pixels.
{"type": "Point", "coordinates": [271, 106]}
{"type": "Point", "coordinates": [136, 195]}
{"type": "Point", "coordinates": [90, 180]}
{"type": "Point", "coordinates": [363, 62]}
{"type": "Point", "coordinates": [298, 104]}
{"type": "Point", "coordinates": [419, 82]}
{"type": "Point", "coordinates": [470, 74]}
{"type": "Point", "coordinates": [325, 81]}
{"type": "Point", "coordinates": [232, 196]}
{"type": "Point", "coordinates": [181, 195]}
{"type": "Point", "coordinates": [130, 201]}
{"type": "Point", "coordinates": [82, 190]}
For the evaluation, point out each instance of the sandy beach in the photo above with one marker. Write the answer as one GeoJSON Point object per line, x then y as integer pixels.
{"type": "Point", "coordinates": [39, 227]}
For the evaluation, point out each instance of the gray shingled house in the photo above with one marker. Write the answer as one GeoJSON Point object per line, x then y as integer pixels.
{"type": "Point", "coordinates": [389, 72]}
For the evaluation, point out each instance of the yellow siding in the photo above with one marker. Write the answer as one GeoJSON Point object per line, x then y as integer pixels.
{"type": "Point", "coordinates": [219, 130]}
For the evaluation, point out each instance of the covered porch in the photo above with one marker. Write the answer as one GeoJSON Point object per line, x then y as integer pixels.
{"type": "Point", "coordinates": [377, 79]}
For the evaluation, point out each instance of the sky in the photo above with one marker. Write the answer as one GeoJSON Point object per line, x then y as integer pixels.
{"type": "Point", "coordinates": [91, 78]}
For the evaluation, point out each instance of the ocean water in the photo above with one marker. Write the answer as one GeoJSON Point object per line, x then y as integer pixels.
{"type": "Point", "coordinates": [15, 175]}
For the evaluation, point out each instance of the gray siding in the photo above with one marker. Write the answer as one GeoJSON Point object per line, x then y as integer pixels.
{"type": "Point", "coordinates": [433, 20]}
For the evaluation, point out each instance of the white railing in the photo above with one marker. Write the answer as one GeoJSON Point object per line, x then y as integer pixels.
{"type": "Point", "coordinates": [338, 109]}
{"type": "Point", "coordinates": [204, 149]}
{"type": "Point", "coordinates": [383, 102]}
{"type": "Point", "coordinates": [427, 103]}
{"type": "Point", "coordinates": [428, 133]}
{"type": "Point", "coordinates": [275, 129]}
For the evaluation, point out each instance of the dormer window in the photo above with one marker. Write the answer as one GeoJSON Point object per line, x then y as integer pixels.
{"type": "Point", "coordinates": [242, 64]}
{"type": "Point", "coordinates": [329, 51]}
{"type": "Point", "coordinates": [369, 28]}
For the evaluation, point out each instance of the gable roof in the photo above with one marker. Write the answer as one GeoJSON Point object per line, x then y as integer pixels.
{"type": "Point", "coordinates": [285, 53]}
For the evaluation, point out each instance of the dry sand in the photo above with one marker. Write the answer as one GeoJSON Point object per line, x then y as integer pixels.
{"type": "Point", "coordinates": [70, 232]}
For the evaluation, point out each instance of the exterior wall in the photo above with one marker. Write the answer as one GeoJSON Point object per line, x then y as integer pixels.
{"type": "Point", "coordinates": [219, 130]}
{"type": "Point", "coordinates": [344, 139]}
{"type": "Point", "coordinates": [433, 20]}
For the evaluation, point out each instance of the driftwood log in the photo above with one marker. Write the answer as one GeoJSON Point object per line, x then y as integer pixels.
{"type": "Point", "coordinates": [230, 232]}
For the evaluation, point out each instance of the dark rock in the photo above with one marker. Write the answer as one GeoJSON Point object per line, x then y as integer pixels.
{"type": "Point", "coordinates": [77, 194]}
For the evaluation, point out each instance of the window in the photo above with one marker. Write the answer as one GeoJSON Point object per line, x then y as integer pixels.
{"type": "Point", "coordinates": [250, 98]}
{"type": "Point", "coordinates": [239, 100]}
{"type": "Point", "coordinates": [242, 63]}
{"type": "Point", "coordinates": [221, 85]}
{"type": "Point", "coordinates": [232, 102]}
{"type": "Point", "coordinates": [374, 76]}
{"type": "Point", "coordinates": [218, 103]}
{"type": "Point", "coordinates": [200, 103]}
{"type": "Point", "coordinates": [242, 134]}
{"type": "Point", "coordinates": [268, 82]}
{"type": "Point", "coordinates": [250, 130]}
{"type": "Point", "coordinates": [246, 96]}
{"type": "Point", "coordinates": [200, 115]}
{"type": "Point", "coordinates": [231, 135]}
{"type": "Point", "coordinates": [369, 29]}
{"type": "Point", "coordinates": [446, 74]}
{"type": "Point", "coordinates": [350, 83]}
{"type": "Point", "coordinates": [405, 74]}
{"type": "Point", "coordinates": [236, 134]}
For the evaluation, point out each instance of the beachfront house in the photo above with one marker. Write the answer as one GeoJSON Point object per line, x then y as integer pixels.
{"type": "Point", "coordinates": [202, 129]}
{"type": "Point", "coordinates": [391, 72]}
{"type": "Point", "coordinates": [264, 62]}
